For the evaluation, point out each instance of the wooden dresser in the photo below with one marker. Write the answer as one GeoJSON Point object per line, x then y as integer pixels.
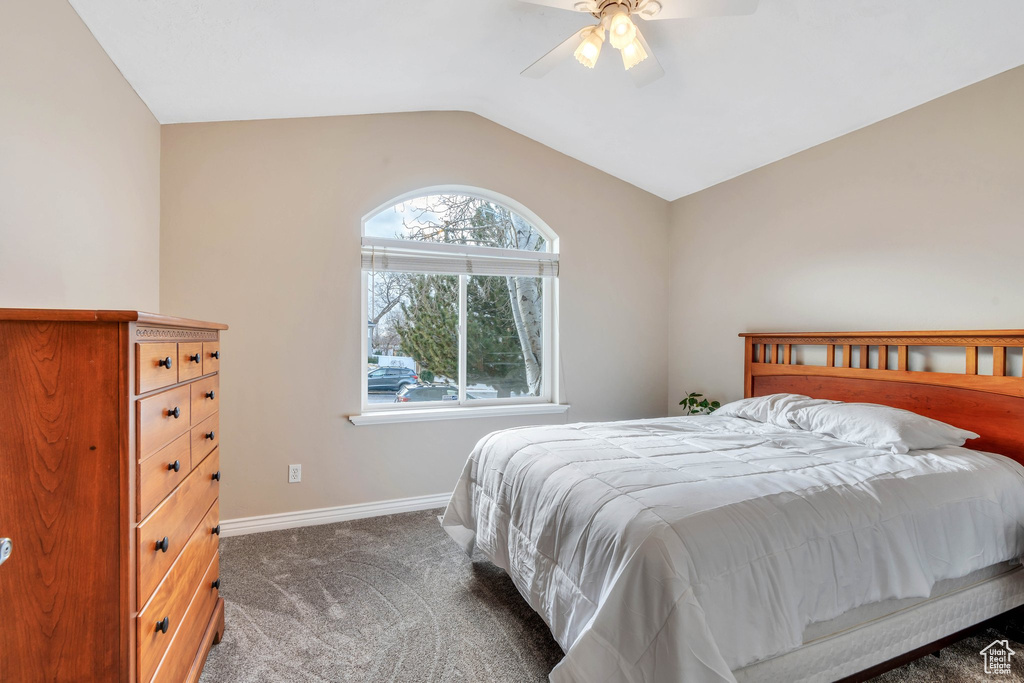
{"type": "Point", "coordinates": [109, 484]}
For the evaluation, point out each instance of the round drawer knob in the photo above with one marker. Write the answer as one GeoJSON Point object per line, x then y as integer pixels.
{"type": "Point", "coordinates": [163, 625]}
{"type": "Point", "coordinates": [163, 545]}
{"type": "Point", "coordinates": [176, 466]}
{"type": "Point", "coordinates": [211, 435]}
{"type": "Point", "coordinates": [176, 413]}
{"type": "Point", "coordinates": [195, 358]}
{"type": "Point", "coordinates": [215, 354]}
{"type": "Point", "coordinates": [216, 530]}
{"type": "Point", "coordinates": [210, 395]}
{"type": "Point", "coordinates": [216, 476]}
{"type": "Point", "coordinates": [166, 363]}
{"type": "Point", "coordinates": [216, 584]}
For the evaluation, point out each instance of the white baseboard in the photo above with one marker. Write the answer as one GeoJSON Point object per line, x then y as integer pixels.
{"type": "Point", "coordinates": [342, 513]}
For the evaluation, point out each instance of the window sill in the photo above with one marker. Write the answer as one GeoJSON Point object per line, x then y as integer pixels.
{"type": "Point", "coordinates": [432, 414]}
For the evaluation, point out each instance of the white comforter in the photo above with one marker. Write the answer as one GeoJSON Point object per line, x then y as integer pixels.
{"type": "Point", "coordinates": [681, 549]}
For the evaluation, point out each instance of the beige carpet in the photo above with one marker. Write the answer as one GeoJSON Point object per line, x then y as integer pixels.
{"type": "Point", "coordinates": [394, 599]}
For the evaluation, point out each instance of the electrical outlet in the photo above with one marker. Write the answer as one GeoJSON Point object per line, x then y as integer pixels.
{"type": "Point", "coordinates": [294, 474]}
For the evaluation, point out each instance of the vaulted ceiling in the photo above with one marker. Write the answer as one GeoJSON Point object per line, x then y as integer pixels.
{"type": "Point", "coordinates": [739, 92]}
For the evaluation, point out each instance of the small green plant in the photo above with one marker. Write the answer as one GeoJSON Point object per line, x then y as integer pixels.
{"type": "Point", "coordinates": [427, 376]}
{"type": "Point", "coordinates": [373, 360]}
{"type": "Point", "coordinates": [696, 404]}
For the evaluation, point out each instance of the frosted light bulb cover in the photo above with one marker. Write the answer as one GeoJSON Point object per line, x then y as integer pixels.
{"type": "Point", "coordinates": [621, 31]}
{"type": "Point", "coordinates": [633, 54]}
{"type": "Point", "coordinates": [590, 48]}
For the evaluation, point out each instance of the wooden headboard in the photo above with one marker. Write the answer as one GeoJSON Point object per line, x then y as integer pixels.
{"type": "Point", "coordinates": [991, 405]}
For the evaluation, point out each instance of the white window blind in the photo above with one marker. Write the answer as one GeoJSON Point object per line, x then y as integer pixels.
{"type": "Point", "coordinates": [425, 257]}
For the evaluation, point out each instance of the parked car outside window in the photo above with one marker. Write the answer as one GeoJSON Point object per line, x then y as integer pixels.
{"type": "Point", "coordinates": [390, 379]}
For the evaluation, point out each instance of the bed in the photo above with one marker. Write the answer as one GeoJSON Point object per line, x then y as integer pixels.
{"type": "Point", "coordinates": [731, 549]}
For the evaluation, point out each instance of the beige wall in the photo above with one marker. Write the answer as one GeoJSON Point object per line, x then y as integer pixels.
{"type": "Point", "coordinates": [79, 169]}
{"type": "Point", "coordinates": [261, 225]}
{"type": "Point", "coordinates": [916, 222]}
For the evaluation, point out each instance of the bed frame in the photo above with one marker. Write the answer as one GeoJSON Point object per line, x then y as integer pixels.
{"type": "Point", "coordinates": [989, 405]}
{"type": "Point", "coordinates": [992, 405]}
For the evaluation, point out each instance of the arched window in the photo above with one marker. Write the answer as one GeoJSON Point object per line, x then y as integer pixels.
{"type": "Point", "coordinates": [460, 310]}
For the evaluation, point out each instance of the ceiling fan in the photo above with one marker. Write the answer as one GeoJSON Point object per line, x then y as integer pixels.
{"type": "Point", "coordinates": [616, 18]}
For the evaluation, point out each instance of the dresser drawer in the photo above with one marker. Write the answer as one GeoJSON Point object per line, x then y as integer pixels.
{"type": "Point", "coordinates": [205, 398]}
{"type": "Point", "coordinates": [174, 519]}
{"type": "Point", "coordinates": [190, 361]}
{"type": "Point", "coordinates": [211, 357]}
{"type": "Point", "coordinates": [161, 418]}
{"type": "Point", "coordinates": [162, 471]}
{"type": "Point", "coordinates": [205, 437]}
{"type": "Point", "coordinates": [174, 595]}
{"type": "Point", "coordinates": [180, 655]}
{"type": "Point", "coordinates": [156, 365]}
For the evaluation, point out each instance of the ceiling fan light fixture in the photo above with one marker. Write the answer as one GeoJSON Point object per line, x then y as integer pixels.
{"type": "Point", "coordinates": [621, 30]}
{"type": "Point", "coordinates": [590, 47]}
{"type": "Point", "coordinates": [633, 54]}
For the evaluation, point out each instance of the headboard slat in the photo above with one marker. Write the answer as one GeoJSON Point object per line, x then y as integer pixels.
{"type": "Point", "coordinates": [998, 361]}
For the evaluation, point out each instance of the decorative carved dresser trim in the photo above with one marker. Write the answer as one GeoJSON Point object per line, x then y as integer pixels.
{"type": "Point", "coordinates": [150, 333]}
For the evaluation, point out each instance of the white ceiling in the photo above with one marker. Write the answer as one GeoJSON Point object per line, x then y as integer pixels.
{"type": "Point", "coordinates": [739, 92]}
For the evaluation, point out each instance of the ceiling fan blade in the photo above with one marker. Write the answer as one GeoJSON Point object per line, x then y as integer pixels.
{"type": "Point", "coordinates": [649, 70]}
{"type": "Point", "coordinates": [686, 9]}
{"type": "Point", "coordinates": [543, 66]}
{"type": "Point", "coordinates": [571, 5]}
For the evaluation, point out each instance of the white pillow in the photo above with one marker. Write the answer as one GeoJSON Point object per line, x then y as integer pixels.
{"type": "Point", "coordinates": [772, 408]}
{"type": "Point", "coordinates": [876, 426]}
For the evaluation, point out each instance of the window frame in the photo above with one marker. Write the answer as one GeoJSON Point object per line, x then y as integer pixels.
{"type": "Point", "coordinates": [549, 395]}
